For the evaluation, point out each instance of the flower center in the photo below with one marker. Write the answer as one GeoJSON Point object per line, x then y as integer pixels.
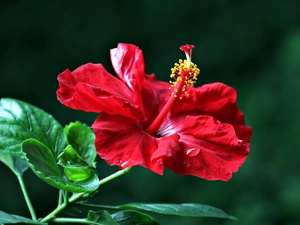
{"type": "Point", "coordinates": [184, 76]}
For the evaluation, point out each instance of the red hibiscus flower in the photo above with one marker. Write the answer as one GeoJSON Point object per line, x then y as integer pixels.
{"type": "Point", "coordinates": [192, 131]}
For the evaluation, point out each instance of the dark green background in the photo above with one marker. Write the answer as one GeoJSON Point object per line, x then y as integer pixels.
{"type": "Point", "coordinates": [252, 45]}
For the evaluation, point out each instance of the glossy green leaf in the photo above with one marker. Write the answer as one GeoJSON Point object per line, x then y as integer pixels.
{"type": "Point", "coordinates": [81, 138]}
{"type": "Point", "coordinates": [70, 158]}
{"type": "Point", "coordinates": [78, 174]}
{"type": "Point", "coordinates": [101, 217]}
{"type": "Point", "coordinates": [185, 209]}
{"type": "Point", "coordinates": [129, 217]}
{"type": "Point", "coordinates": [75, 168]}
{"type": "Point", "coordinates": [16, 164]}
{"type": "Point", "coordinates": [6, 218]}
{"type": "Point", "coordinates": [79, 156]}
{"type": "Point", "coordinates": [40, 158]}
{"type": "Point", "coordinates": [20, 121]}
{"type": "Point", "coordinates": [43, 163]}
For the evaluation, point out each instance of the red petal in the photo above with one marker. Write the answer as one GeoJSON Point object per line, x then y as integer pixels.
{"type": "Point", "coordinates": [216, 99]}
{"type": "Point", "coordinates": [120, 141]}
{"type": "Point", "coordinates": [161, 88]}
{"type": "Point", "coordinates": [129, 65]}
{"type": "Point", "coordinates": [91, 88]}
{"type": "Point", "coordinates": [209, 148]}
{"type": "Point", "coordinates": [154, 96]}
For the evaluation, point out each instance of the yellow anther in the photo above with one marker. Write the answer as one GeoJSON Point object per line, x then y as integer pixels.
{"type": "Point", "coordinates": [184, 71]}
{"type": "Point", "coordinates": [179, 69]}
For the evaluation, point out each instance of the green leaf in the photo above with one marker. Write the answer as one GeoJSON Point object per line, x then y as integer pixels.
{"type": "Point", "coordinates": [129, 217]}
{"type": "Point", "coordinates": [16, 164]}
{"type": "Point", "coordinates": [101, 217]}
{"type": "Point", "coordinates": [75, 168]}
{"type": "Point", "coordinates": [78, 174]}
{"type": "Point", "coordinates": [79, 156]}
{"type": "Point", "coordinates": [20, 121]}
{"type": "Point", "coordinates": [6, 218]}
{"type": "Point", "coordinates": [185, 209]}
{"type": "Point", "coordinates": [43, 163]}
{"type": "Point", "coordinates": [70, 158]}
{"type": "Point", "coordinates": [82, 139]}
{"type": "Point", "coordinates": [40, 158]}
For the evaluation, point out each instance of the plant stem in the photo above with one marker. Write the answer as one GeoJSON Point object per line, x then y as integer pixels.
{"type": "Point", "coordinates": [77, 196]}
{"type": "Point", "coordinates": [60, 196]}
{"type": "Point", "coordinates": [66, 197]}
{"type": "Point", "coordinates": [62, 206]}
{"type": "Point", "coordinates": [113, 176]}
{"type": "Point", "coordinates": [51, 215]}
{"type": "Point", "coordinates": [71, 220]}
{"type": "Point", "coordinates": [27, 199]}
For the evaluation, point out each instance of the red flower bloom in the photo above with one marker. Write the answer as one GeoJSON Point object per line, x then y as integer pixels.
{"type": "Point", "coordinates": [143, 121]}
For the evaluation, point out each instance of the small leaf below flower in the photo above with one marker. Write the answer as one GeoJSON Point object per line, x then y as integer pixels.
{"type": "Point", "coordinates": [75, 168]}
{"type": "Point", "coordinates": [82, 139]}
{"type": "Point", "coordinates": [43, 164]}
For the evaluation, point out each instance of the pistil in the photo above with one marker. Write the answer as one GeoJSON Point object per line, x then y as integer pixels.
{"type": "Point", "coordinates": [185, 75]}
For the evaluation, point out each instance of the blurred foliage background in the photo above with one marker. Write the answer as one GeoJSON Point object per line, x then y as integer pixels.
{"type": "Point", "coordinates": [251, 45]}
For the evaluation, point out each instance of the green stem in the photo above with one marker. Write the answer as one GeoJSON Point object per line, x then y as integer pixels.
{"type": "Point", "coordinates": [62, 206]}
{"type": "Point", "coordinates": [113, 176]}
{"type": "Point", "coordinates": [60, 196]}
{"type": "Point", "coordinates": [66, 197]}
{"type": "Point", "coordinates": [27, 199]}
{"type": "Point", "coordinates": [71, 220]}
{"type": "Point", "coordinates": [54, 212]}
{"type": "Point", "coordinates": [77, 196]}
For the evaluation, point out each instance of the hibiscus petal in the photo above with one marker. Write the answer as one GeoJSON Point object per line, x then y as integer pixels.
{"type": "Point", "coordinates": [161, 89]}
{"type": "Point", "coordinates": [129, 65]}
{"type": "Point", "coordinates": [154, 96]}
{"type": "Point", "coordinates": [216, 99]}
{"type": "Point", "coordinates": [167, 151]}
{"type": "Point", "coordinates": [120, 141]}
{"type": "Point", "coordinates": [91, 88]}
{"type": "Point", "coordinates": [209, 149]}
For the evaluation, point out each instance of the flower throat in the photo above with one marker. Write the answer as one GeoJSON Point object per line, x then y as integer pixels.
{"type": "Point", "coordinates": [184, 75]}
